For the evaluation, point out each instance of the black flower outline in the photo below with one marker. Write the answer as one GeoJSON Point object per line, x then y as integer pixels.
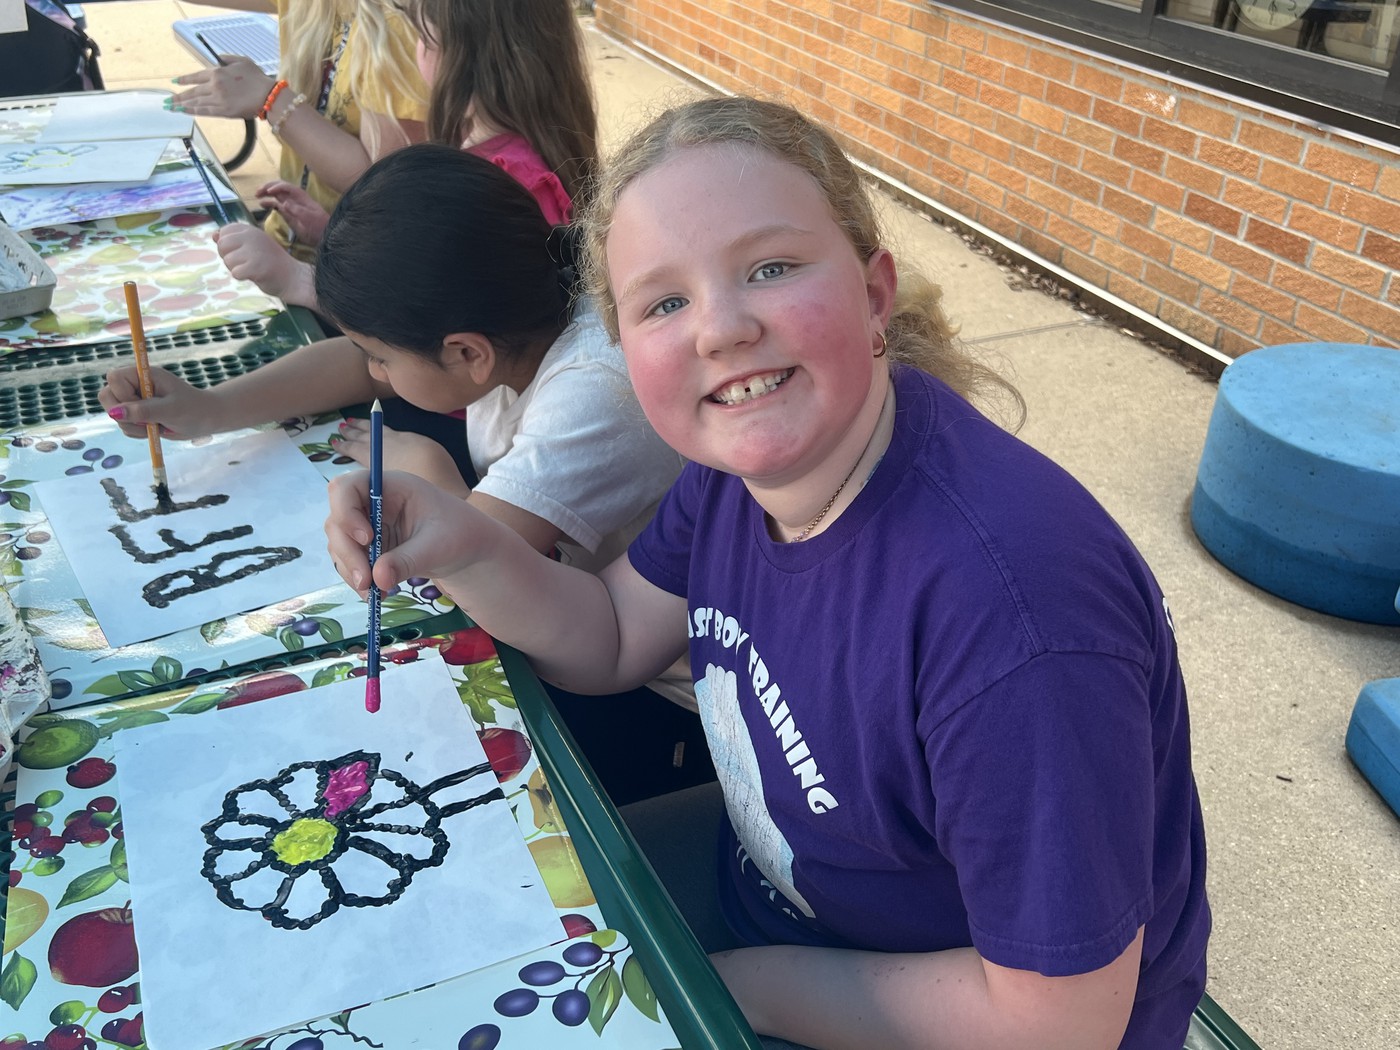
{"type": "Point", "coordinates": [355, 830]}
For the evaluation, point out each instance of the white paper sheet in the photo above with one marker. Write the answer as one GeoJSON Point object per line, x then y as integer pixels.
{"type": "Point", "coordinates": [12, 19]}
{"type": "Point", "coordinates": [246, 530]}
{"type": "Point", "coordinates": [212, 973]}
{"type": "Point", "coordinates": [98, 116]}
{"type": "Point", "coordinates": [25, 207]}
{"type": "Point", "coordinates": [53, 163]}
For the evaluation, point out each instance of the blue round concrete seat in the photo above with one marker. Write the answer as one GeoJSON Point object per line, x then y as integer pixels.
{"type": "Point", "coordinates": [1298, 490]}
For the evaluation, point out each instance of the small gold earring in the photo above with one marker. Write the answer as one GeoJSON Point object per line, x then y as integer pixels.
{"type": "Point", "coordinates": [883, 345]}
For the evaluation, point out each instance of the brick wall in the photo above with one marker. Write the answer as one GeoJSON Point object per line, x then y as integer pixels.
{"type": "Point", "coordinates": [1231, 224]}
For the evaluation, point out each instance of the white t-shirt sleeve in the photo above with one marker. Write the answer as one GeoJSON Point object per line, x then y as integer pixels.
{"type": "Point", "coordinates": [575, 448]}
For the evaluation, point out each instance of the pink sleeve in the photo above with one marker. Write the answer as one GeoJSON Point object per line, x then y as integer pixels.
{"type": "Point", "coordinates": [515, 156]}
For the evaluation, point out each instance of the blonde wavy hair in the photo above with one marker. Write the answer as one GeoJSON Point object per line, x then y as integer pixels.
{"type": "Point", "coordinates": [919, 332]}
{"type": "Point", "coordinates": [383, 68]}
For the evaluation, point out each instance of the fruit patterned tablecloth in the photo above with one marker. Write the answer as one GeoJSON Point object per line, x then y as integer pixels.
{"type": "Point", "coordinates": [182, 282]}
{"type": "Point", "coordinates": [82, 668]}
{"type": "Point", "coordinates": [69, 978]}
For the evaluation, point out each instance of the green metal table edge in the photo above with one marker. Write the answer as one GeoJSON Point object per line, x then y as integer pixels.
{"type": "Point", "coordinates": [697, 1003]}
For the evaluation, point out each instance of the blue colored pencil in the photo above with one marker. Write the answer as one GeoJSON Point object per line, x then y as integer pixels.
{"type": "Point", "coordinates": [208, 182]}
{"type": "Point", "coordinates": [376, 521]}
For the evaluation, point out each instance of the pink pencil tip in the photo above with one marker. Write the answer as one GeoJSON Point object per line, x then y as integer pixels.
{"type": "Point", "coordinates": [372, 695]}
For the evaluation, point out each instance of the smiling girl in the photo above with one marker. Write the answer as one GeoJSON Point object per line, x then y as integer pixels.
{"type": "Point", "coordinates": [955, 803]}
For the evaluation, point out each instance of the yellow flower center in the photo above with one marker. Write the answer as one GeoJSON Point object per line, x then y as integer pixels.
{"type": "Point", "coordinates": [306, 840]}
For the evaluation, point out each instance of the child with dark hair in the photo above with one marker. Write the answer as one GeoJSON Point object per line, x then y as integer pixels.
{"type": "Point", "coordinates": [442, 272]}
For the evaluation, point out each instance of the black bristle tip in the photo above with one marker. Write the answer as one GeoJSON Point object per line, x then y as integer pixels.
{"type": "Point", "coordinates": [163, 500]}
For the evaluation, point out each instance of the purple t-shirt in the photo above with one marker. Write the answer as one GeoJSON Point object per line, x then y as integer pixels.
{"type": "Point", "coordinates": [954, 718]}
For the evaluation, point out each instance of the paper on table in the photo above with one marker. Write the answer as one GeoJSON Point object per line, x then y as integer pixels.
{"type": "Point", "coordinates": [99, 116]}
{"type": "Point", "coordinates": [12, 19]}
{"type": "Point", "coordinates": [29, 206]}
{"type": "Point", "coordinates": [246, 794]}
{"type": "Point", "coordinates": [52, 163]}
{"type": "Point", "coordinates": [245, 531]}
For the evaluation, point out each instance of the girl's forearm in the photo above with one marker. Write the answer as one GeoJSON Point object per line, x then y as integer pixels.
{"type": "Point", "coordinates": [321, 377]}
{"type": "Point", "coordinates": [337, 157]}
{"type": "Point", "coordinates": [850, 1000]}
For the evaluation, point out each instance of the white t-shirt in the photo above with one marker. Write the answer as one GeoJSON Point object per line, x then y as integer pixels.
{"type": "Point", "coordinates": [574, 447]}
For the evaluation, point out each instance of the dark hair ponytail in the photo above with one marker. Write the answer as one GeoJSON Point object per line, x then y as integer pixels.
{"type": "Point", "coordinates": [431, 241]}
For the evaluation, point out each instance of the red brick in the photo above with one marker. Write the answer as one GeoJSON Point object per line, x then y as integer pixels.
{"type": "Point", "coordinates": [1253, 200]}
{"type": "Point", "coordinates": [1011, 51]}
{"type": "Point", "coordinates": [1041, 115]}
{"type": "Point", "coordinates": [1228, 158]}
{"type": "Point", "coordinates": [1015, 130]}
{"type": "Point", "coordinates": [1087, 268]}
{"type": "Point", "coordinates": [1145, 242]}
{"type": "Point", "coordinates": [977, 114]}
{"type": "Point", "coordinates": [1264, 138]}
{"type": "Point", "coordinates": [1191, 321]}
{"type": "Point", "coordinates": [1061, 149]}
{"type": "Point", "coordinates": [1382, 249]}
{"type": "Point", "coordinates": [1071, 235]}
{"type": "Point", "coordinates": [1098, 82]}
{"type": "Point", "coordinates": [1106, 169]}
{"type": "Point", "coordinates": [950, 175]}
{"type": "Point", "coordinates": [1169, 282]}
{"type": "Point", "coordinates": [1262, 298]}
{"type": "Point", "coordinates": [1271, 333]}
{"type": "Point", "coordinates": [1213, 213]}
{"type": "Point", "coordinates": [998, 98]}
{"type": "Point", "coordinates": [966, 158]}
{"type": "Point", "coordinates": [1109, 250]}
{"type": "Point", "coordinates": [1325, 295]}
{"type": "Point", "coordinates": [1213, 120]}
{"type": "Point", "coordinates": [1202, 268]}
{"type": "Point", "coordinates": [1047, 248]}
{"type": "Point", "coordinates": [1079, 185]}
{"type": "Point", "coordinates": [1068, 99]}
{"type": "Point", "coordinates": [1055, 201]}
{"type": "Point", "coordinates": [1194, 176]}
{"type": "Point", "coordinates": [1329, 228]}
{"type": "Point", "coordinates": [1233, 344]}
{"type": "Point", "coordinates": [1347, 270]}
{"type": "Point", "coordinates": [1388, 185]}
{"type": "Point", "coordinates": [1133, 290]}
{"type": "Point", "coordinates": [1169, 136]}
{"type": "Point", "coordinates": [1327, 327]}
{"type": "Point", "coordinates": [985, 191]}
{"type": "Point", "coordinates": [1278, 241]}
{"type": "Point", "coordinates": [1007, 177]}
{"type": "Point", "coordinates": [1155, 99]}
{"type": "Point", "coordinates": [1090, 135]}
{"type": "Point", "coordinates": [1052, 65]}
{"type": "Point", "coordinates": [1118, 117]}
{"type": "Point", "coordinates": [1368, 209]}
{"type": "Point", "coordinates": [1341, 165]}
{"type": "Point", "coordinates": [1140, 155]}
{"type": "Point", "coordinates": [1024, 212]}
{"type": "Point", "coordinates": [992, 146]}
{"type": "Point", "coordinates": [985, 68]}
{"type": "Point", "coordinates": [959, 83]}
{"type": "Point", "coordinates": [966, 36]}
{"type": "Point", "coordinates": [1034, 165]}
{"type": "Point", "coordinates": [1024, 81]}
{"type": "Point", "coordinates": [1229, 311]}
{"type": "Point", "coordinates": [1242, 258]}
{"type": "Point", "coordinates": [1127, 206]}
{"type": "Point", "coordinates": [1375, 315]}
{"type": "Point", "coordinates": [1097, 219]}
{"type": "Point", "coordinates": [1159, 191]}
{"type": "Point", "coordinates": [1294, 182]}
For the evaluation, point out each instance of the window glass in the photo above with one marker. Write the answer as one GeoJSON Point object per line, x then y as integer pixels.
{"type": "Point", "coordinates": [1363, 32]}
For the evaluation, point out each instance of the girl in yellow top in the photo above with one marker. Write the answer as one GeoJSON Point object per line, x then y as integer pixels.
{"type": "Point", "coordinates": [349, 92]}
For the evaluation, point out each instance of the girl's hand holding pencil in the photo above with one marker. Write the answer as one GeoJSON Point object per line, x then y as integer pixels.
{"type": "Point", "coordinates": [180, 410]}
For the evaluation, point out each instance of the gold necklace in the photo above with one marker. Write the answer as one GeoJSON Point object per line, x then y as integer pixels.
{"type": "Point", "coordinates": [829, 504]}
{"type": "Point", "coordinates": [832, 502]}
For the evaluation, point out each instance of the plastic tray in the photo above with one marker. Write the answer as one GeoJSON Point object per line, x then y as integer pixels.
{"type": "Point", "coordinates": [35, 295]}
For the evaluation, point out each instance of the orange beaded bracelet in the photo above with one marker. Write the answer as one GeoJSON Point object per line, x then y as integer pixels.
{"type": "Point", "coordinates": [277, 89]}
